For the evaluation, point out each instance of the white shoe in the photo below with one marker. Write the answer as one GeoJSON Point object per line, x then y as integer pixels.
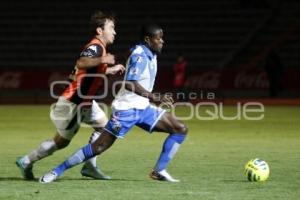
{"type": "Point", "coordinates": [48, 177]}
{"type": "Point", "coordinates": [163, 176]}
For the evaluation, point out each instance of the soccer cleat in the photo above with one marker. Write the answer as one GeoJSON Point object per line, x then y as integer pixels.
{"type": "Point", "coordinates": [162, 176]}
{"type": "Point", "coordinates": [94, 172]}
{"type": "Point", "coordinates": [26, 169]}
{"type": "Point", "coordinates": [48, 177]}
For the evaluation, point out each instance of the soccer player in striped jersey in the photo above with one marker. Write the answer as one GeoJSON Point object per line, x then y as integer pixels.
{"type": "Point", "coordinates": [77, 104]}
{"type": "Point", "coordinates": [132, 107]}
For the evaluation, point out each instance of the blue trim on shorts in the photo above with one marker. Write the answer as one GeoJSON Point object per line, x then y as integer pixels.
{"type": "Point", "coordinates": [122, 121]}
{"type": "Point", "coordinates": [158, 118]}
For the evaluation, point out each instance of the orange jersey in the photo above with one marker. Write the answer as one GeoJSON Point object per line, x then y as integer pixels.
{"type": "Point", "coordinates": [84, 83]}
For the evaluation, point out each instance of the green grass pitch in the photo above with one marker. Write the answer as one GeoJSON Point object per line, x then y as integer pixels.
{"type": "Point", "coordinates": [210, 163]}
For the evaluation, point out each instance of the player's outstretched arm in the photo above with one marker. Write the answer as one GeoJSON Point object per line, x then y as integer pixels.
{"type": "Point", "coordinates": [88, 62]}
{"type": "Point", "coordinates": [115, 69]}
{"type": "Point", "coordinates": [135, 87]}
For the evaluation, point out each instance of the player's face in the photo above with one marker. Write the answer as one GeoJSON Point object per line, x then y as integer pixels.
{"type": "Point", "coordinates": [109, 32]}
{"type": "Point", "coordinates": [156, 42]}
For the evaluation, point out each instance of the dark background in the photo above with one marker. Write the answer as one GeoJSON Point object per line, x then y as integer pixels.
{"type": "Point", "coordinates": [235, 48]}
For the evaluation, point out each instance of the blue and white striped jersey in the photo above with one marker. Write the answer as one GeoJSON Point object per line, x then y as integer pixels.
{"type": "Point", "coordinates": [141, 66]}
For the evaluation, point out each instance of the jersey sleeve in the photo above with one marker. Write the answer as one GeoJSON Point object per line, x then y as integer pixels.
{"type": "Point", "coordinates": [92, 51]}
{"type": "Point", "coordinates": [136, 65]}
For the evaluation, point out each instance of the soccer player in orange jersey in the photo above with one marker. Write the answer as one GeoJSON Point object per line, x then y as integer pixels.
{"type": "Point", "coordinates": [77, 104]}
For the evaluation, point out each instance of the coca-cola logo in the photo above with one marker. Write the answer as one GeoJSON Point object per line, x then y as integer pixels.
{"type": "Point", "coordinates": [10, 80]}
{"type": "Point", "coordinates": [245, 79]}
{"type": "Point", "coordinates": [207, 80]}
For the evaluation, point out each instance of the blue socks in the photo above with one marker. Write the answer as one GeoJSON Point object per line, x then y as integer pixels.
{"type": "Point", "coordinates": [170, 147]}
{"type": "Point", "coordinates": [80, 156]}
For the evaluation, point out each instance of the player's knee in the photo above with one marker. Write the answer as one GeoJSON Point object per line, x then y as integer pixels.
{"type": "Point", "coordinates": [60, 141]}
{"type": "Point", "coordinates": [183, 129]}
{"type": "Point", "coordinates": [62, 144]}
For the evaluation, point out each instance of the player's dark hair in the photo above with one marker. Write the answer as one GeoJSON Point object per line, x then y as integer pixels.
{"type": "Point", "coordinates": [98, 19]}
{"type": "Point", "coordinates": [149, 30]}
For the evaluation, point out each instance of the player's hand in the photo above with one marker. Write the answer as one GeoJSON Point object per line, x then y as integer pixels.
{"type": "Point", "coordinates": [115, 69]}
{"type": "Point", "coordinates": [167, 100]}
{"type": "Point", "coordinates": [108, 59]}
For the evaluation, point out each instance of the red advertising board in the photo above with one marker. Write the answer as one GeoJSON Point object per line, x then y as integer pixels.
{"type": "Point", "coordinates": [229, 79]}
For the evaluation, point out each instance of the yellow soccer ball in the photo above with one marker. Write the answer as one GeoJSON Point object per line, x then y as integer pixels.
{"type": "Point", "coordinates": [257, 170]}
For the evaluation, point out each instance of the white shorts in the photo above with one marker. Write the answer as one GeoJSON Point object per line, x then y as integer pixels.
{"type": "Point", "coordinates": [68, 116]}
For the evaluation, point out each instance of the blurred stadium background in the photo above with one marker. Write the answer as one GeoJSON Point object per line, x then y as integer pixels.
{"type": "Point", "coordinates": [241, 50]}
{"type": "Point", "coordinates": [233, 47]}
